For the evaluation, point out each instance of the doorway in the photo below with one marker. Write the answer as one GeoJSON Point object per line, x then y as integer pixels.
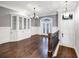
{"type": "Point", "coordinates": [46, 25]}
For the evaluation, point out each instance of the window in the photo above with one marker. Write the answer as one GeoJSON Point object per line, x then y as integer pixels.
{"type": "Point", "coordinates": [47, 28]}
{"type": "Point", "coordinates": [43, 27]}
{"type": "Point", "coordinates": [20, 23]}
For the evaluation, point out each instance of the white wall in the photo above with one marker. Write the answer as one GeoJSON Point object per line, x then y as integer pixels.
{"type": "Point", "coordinates": [5, 11]}
{"type": "Point", "coordinates": [4, 29]}
{"type": "Point", "coordinates": [35, 30]}
{"type": "Point", "coordinates": [77, 30]}
{"type": "Point", "coordinates": [67, 28]}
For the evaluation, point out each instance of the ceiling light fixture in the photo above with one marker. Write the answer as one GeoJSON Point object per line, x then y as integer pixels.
{"type": "Point", "coordinates": [66, 14]}
{"type": "Point", "coordinates": [34, 15]}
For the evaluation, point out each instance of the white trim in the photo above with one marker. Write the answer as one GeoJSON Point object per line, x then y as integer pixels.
{"type": "Point", "coordinates": [76, 52]}
{"type": "Point", "coordinates": [57, 48]}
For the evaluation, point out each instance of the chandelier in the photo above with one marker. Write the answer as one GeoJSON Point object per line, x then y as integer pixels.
{"type": "Point", "coordinates": [66, 14]}
{"type": "Point", "coordinates": [34, 15]}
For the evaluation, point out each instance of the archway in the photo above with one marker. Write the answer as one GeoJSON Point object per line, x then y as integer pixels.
{"type": "Point", "coordinates": [46, 25]}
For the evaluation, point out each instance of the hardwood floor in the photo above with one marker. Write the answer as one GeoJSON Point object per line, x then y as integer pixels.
{"type": "Point", "coordinates": [34, 47]}
{"type": "Point", "coordinates": [66, 52]}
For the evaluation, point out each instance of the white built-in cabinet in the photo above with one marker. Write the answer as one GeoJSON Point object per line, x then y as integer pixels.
{"type": "Point", "coordinates": [20, 27]}
{"type": "Point", "coordinates": [14, 28]}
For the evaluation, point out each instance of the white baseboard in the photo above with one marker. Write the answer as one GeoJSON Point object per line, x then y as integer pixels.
{"type": "Point", "coordinates": [76, 52]}
{"type": "Point", "coordinates": [56, 50]}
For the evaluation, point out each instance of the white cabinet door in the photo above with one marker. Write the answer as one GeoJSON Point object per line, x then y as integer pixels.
{"type": "Point", "coordinates": [13, 28]}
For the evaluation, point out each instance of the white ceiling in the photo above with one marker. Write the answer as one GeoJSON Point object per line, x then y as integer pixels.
{"type": "Point", "coordinates": [42, 7]}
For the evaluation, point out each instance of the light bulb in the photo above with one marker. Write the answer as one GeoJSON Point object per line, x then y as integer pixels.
{"type": "Point", "coordinates": [66, 15]}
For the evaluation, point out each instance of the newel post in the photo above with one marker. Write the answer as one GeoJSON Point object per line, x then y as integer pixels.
{"type": "Point", "coordinates": [49, 45]}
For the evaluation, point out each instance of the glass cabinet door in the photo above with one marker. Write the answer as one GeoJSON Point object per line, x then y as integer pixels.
{"type": "Point", "coordinates": [14, 22]}
{"type": "Point", "coordinates": [24, 23]}
{"type": "Point", "coordinates": [13, 31]}
{"type": "Point", "coordinates": [20, 23]}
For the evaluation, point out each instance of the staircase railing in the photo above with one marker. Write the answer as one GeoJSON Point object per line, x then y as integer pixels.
{"type": "Point", "coordinates": [52, 43]}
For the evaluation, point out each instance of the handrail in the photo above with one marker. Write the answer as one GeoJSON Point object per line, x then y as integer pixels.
{"type": "Point", "coordinates": [52, 43]}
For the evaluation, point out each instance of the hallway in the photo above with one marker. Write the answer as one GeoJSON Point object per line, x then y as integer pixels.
{"type": "Point", "coordinates": [39, 29]}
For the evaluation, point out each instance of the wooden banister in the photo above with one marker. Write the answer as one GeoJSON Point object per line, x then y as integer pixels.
{"type": "Point", "coordinates": [52, 43]}
{"type": "Point", "coordinates": [49, 45]}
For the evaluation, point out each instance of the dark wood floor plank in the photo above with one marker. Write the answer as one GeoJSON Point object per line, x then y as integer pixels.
{"type": "Point", "coordinates": [66, 52]}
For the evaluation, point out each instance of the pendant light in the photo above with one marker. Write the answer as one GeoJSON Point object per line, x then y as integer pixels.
{"type": "Point", "coordinates": [66, 14]}
{"type": "Point", "coordinates": [34, 15]}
